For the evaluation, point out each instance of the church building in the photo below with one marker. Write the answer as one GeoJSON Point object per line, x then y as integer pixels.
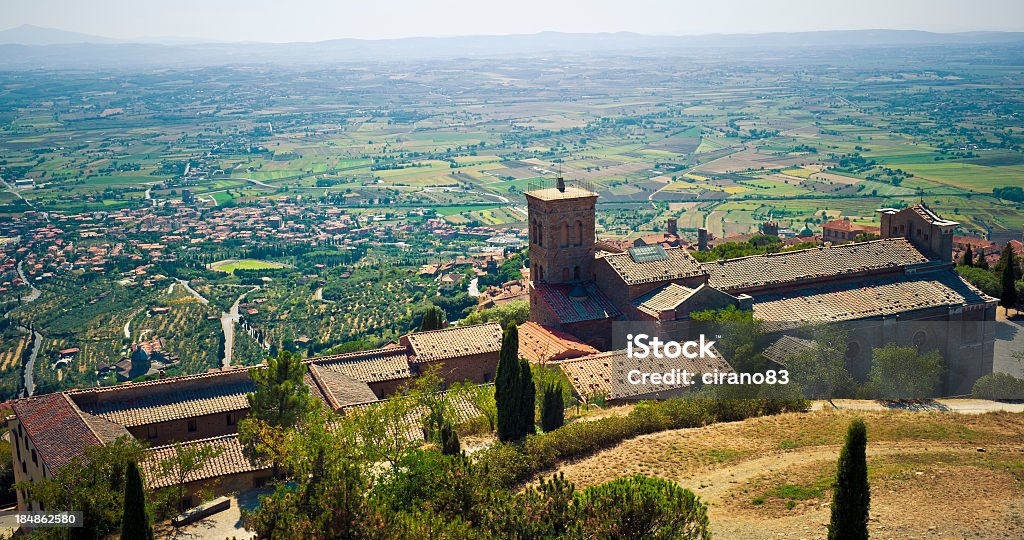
{"type": "Point", "coordinates": [888, 287]}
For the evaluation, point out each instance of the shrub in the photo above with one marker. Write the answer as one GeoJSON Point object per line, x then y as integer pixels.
{"type": "Point", "coordinates": [998, 386]}
{"type": "Point", "coordinates": [642, 508]}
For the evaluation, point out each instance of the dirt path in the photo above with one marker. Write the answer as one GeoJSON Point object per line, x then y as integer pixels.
{"type": "Point", "coordinates": [928, 477]}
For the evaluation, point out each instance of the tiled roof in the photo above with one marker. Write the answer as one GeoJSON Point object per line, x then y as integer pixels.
{"type": "Point", "coordinates": [663, 299]}
{"type": "Point", "coordinates": [412, 424]}
{"type": "Point", "coordinates": [773, 269]}
{"type": "Point", "coordinates": [785, 348]}
{"type": "Point", "coordinates": [230, 461]}
{"type": "Point", "coordinates": [386, 364]}
{"type": "Point", "coordinates": [56, 427]}
{"type": "Point", "coordinates": [540, 344]}
{"type": "Point", "coordinates": [594, 307]}
{"type": "Point", "coordinates": [454, 341]}
{"type": "Point", "coordinates": [866, 299]}
{"type": "Point", "coordinates": [173, 402]}
{"type": "Point", "coordinates": [594, 375]}
{"type": "Point", "coordinates": [337, 388]}
{"type": "Point", "coordinates": [679, 264]}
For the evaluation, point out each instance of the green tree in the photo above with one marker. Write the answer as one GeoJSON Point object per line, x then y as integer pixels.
{"type": "Point", "coordinates": [507, 386]}
{"type": "Point", "coordinates": [433, 319]}
{"type": "Point", "coordinates": [902, 372]}
{"type": "Point", "coordinates": [642, 508]}
{"type": "Point", "coordinates": [93, 483]}
{"type": "Point", "coordinates": [851, 498]}
{"type": "Point", "coordinates": [449, 439]}
{"type": "Point", "coordinates": [186, 460]}
{"type": "Point", "coordinates": [134, 520]}
{"type": "Point", "coordinates": [968, 257]}
{"type": "Point", "coordinates": [527, 400]}
{"type": "Point", "coordinates": [981, 261]}
{"type": "Point", "coordinates": [552, 409]}
{"type": "Point", "coordinates": [281, 397]}
{"type": "Point", "coordinates": [1009, 274]}
{"type": "Point", "coordinates": [821, 371]}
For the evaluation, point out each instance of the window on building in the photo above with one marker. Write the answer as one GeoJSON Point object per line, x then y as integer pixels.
{"type": "Point", "coordinates": [579, 233]}
{"type": "Point", "coordinates": [576, 273]}
{"type": "Point", "coordinates": [35, 458]}
{"type": "Point", "coordinates": [24, 468]}
{"type": "Point", "coordinates": [151, 432]}
{"type": "Point", "coordinates": [487, 377]}
{"type": "Point", "coordinates": [540, 234]}
{"type": "Point", "coordinates": [565, 234]}
{"type": "Point", "coordinates": [192, 425]}
{"type": "Point", "coordinates": [231, 419]}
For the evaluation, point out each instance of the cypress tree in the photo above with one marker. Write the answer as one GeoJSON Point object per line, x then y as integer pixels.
{"type": "Point", "coordinates": [552, 409]}
{"type": "Point", "coordinates": [1009, 297]}
{"type": "Point", "coordinates": [134, 521]}
{"type": "Point", "coordinates": [851, 498]}
{"type": "Point", "coordinates": [433, 319]}
{"type": "Point", "coordinates": [450, 445]}
{"type": "Point", "coordinates": [968, 258]}
{"type": "Point", "coordinates": [981, 261]}
{"type": "Point", "coordinates": [506, 385]}
{"type": "Point", "coordinates": [527, 401]}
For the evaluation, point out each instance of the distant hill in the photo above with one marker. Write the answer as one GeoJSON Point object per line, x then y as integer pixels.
{"type": "Point", "coordinates": [28, 34]}
{"type": "Point", "coordinates": [30, 47]}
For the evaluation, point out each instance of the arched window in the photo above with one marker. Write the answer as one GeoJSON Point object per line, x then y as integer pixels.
{"type": "Point", "coordinates": [576, 273]}
{"type": "Point", "coordinates": [540, 234]}
{"type": "Point", "coordinates": [565, 234]}
{"type": "Point", "coordinates": [579, 233]}
{"type": "Point", "coordinates": [540, 273]}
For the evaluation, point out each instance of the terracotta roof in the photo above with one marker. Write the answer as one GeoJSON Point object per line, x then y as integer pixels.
{"type": "Point", "coordinates": [230, 461]}
{"type": "Point", "coordinates": [866, 299]}
{"type": "Point", "coordinates": [376, 365]}
{"type": "Point", "coordinates": [785, 348]}
{"type": "Point", "coordinates": [663, 299]}
{"type": "Point", "coordinates": [454, 341]}
{"type": "Point", "coordinates": [541, 344]}
{"type": "Point", "coordinates": [773, 269]}
{"type": "Point", "coordinates": [56, 428]}
{"type": "Point", "coordinates": [847, 225]}
{"type": "Point", "coordinates": [170, 402]}
{"type": "Point", "coordinates": [594, 307]}
{"type": "Point", "coordinates": [338, 389]}
{"type": "Point", "coordinates": [605, 373]}
{"type": "Point", "coordinates": [678, 264]}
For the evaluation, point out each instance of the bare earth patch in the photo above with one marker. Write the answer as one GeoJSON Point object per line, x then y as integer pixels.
{"type": "Point", "coordinates": [771, 477]}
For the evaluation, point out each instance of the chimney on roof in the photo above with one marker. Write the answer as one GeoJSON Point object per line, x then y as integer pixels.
{"type": "Point", "coordinates": [560, 184]}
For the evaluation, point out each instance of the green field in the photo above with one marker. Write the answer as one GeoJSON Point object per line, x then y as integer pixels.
{"type": "Point", "coordinates": [229, 266]}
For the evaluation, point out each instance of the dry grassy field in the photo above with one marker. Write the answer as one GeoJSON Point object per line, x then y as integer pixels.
{"type": "Point", "coordinates": [933, 475]}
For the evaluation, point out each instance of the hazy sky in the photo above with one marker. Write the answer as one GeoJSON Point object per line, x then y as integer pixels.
{"type": "Point", "coordinates": [314, 20]}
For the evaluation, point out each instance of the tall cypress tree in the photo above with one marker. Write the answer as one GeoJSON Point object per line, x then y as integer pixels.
{"type": "Point", "coordinates": [968, 258]}
{"type": "Point", "coordinates": [552, 408]}
{"type": "Point", "coordinates": [527, 401]}
{"type": "Point", "coordinates": [134, 521]}
{"type": "Point", "coordinates": [851, 498]}
{"type": "Point", "coordinates": [1009, 275]}
{"type": "Point", "coordinates": [506, 385]}
{"type": "Point", "coordinates": [981, 261]}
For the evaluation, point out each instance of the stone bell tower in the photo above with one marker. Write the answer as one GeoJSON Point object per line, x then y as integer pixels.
{"type": "Point", "coordinates": [561, 234]}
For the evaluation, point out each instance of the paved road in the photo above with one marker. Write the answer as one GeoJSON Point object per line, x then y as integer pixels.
{"type": "Point", "coordinates": [32, 296]}
{"type": "Point", "coordinates": [227, 323]}
{"type": "Point", "coordinates": [198, 296]}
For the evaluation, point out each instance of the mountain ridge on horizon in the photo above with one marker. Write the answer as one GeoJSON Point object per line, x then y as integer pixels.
{"type": "Point", "coordinates": [34, 35]}
{"type": "Point", "coordinates": [43, 48]}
